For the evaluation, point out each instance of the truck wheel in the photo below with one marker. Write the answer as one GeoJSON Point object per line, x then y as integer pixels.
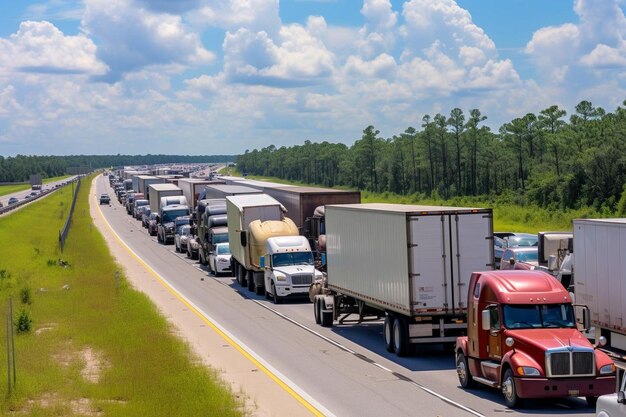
{"type": "Point", "coordinates": [508, 390]}
{"type": "Point", "coordinates": [400, 336]}
{"type": "Point", "coordinates": [250, 278]}
{"type": "Point", "coordinates": [176, 247]}
{"type": "Point", "coordinates": [275, 298]}
{"type": "Point", "coordinates": [591, 401]}
{"type": "Point", "coordinates": [316, 309]}
{"type": "Point", "coordinates": [258, 290]}
{"type": "Point", "coordinates": [463, 371]}
{"type": "Point", "coordinates": [326, 317]}
{"type": "Point", "coordinates": [388, 332]}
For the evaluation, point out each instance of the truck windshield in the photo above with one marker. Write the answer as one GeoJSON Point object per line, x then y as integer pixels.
{"type": "Point", "coordinates": [220, 238]}
{"type": "Point", "coordinates": [169, 216]}
{"type": "Point", "coordinates": [538, 316]}
{"type": "Point", "coordinates": [292, 258]}
{"type": "Point", "coordinates": [223, 250]}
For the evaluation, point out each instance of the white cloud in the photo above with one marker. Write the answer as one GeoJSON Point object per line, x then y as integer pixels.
{"type": "Point", "coordinates": [296, 58]}
{"type": "Point", "coordinates": [254, 15]}
{"type": "Point", "coordinates": [141, 38]}
{"type": "Point", "coordinates": [40, 47]}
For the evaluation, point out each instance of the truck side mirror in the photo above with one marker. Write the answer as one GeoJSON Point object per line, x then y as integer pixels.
{"type": "Point", "coordinates": [486, 319]}
{"type": "Point", "coordinates": [262, 261]}
{"type": "Point", "coordinates": [242, 237]}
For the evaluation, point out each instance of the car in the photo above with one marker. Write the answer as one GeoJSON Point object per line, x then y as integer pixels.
{"type": "Point", "coordinates": [153, 227]}
{"type": "Point", "coordinates": [193, 247]}
{"type": "Point", "coordinates": [612, 405]}
{"type": "Point", "coordinates": [137, 208]}
{"type": "Point", "coordinates": [518, 239]}
{"type": "Point", "coordinates": [105, 199]}
{"type": "Point", "coordinates": [13, 200]}
{"type": "Point", "coordinates": [145, 215]}
{"type": "Point", "coordinates": [520, 257]}
{"type": "Point", "coordinates": [33, 194]}
{"type": "Point", "coordinates": [181, 238]}
{"type": "Point", "coordinates": [499, 245]}
{"type": "Point", "coordinates": [219, 260]}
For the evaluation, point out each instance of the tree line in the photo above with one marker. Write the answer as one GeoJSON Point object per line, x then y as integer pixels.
{"type": "Point", "coordinates": [20, 167]}
{"type": "Point", "coordinates": [546, 158]}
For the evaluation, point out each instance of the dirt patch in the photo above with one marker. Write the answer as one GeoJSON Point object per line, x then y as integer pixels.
{"type": "Point", "coordinates": [52, 400]}
{"type": "Point", "coordinates": [45, 327]}
{"type": "Point", "coordinates": [94, 365]}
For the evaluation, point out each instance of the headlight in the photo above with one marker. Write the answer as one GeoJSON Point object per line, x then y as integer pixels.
{"type": "Point", "coordinates": [527, 371]}
{"type": "Point", "coordinates": [607, 369]}
{"type": "Point", "coordinates": [280, 277]}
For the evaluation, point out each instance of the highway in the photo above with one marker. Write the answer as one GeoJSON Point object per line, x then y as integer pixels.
{"type": "Point", "coordinates": [344, 370]}
{"type": "Point", "coordinates": [20, 195]}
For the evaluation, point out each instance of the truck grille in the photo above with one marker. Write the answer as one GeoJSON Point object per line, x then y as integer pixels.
{"type": "Point", "coordinates": [563, 362]}
{"type": "Point", "coordinates": [302, 279]}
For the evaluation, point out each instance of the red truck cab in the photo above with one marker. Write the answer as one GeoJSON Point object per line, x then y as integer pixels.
{"type": "Point", "coordinates": [522, 338]}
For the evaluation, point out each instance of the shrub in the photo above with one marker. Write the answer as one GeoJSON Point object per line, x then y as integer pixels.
{"type": "Point", "coordinates": [24, 322]}
{"type": "Point", "coordinates": [25, 295]}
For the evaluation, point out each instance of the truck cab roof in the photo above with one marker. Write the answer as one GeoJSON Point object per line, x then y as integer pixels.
{"type": "Point", "coordinates": [518, 287]}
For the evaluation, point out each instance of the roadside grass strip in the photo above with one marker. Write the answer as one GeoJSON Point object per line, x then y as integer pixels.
{"type": "Point", "coordinates": [10, 189]}
{"type": "Point", "coordinates": [93, 349]}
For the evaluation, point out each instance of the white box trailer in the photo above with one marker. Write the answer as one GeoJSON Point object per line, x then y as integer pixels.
{"type": "Point", "coordinates": [144, 181]}
{"type": "Point", "coordinates": [156, 191]}
{"type": "Point", "coordinates": [600, 277]}
{"type": "Point", "coordinates": [410, 264]}
{"type": "Point", "coordinates": [191, 189]}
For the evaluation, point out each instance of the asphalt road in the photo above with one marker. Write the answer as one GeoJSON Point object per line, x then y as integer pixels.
{"type": "Point", "coordinates": [345, 369]}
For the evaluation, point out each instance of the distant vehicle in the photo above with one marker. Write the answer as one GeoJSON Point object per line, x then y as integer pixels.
{"type": "Point", "coordinates": [145, 215]}
{"type": "Point", "coordinates": [518, 239]}
{"type": "Point", "coordinates": [33, 194]}
{"type": "Point", "coordinates": [105, 199]}
{"type": "Point", "coordinates": [13, 200]}
{"type": "Point", "coordinates": [520, 257]}
{"type": "Point", "coordinates": [499, 245]}
{"type": "Point", "coordinates": [137, 209]}
{"type": "Point", "coordinates": [219, 260]}
{"type": "Point", "coordinates": [181, 238]}
{"type": "Point", "coordinates": [152, 224]}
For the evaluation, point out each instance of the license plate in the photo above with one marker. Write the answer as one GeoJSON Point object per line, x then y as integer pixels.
{"type": "Point", "coordinates": [573, 392]}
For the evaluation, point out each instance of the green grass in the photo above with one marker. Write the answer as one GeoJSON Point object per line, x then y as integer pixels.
{"type": "Point", "coordinates": [146, 370]}
{"type": "Point", "coordinates": [16, 188]}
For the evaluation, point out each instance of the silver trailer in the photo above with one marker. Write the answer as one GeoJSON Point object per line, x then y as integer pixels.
{"type": "Point", "coordinates": [409, 264]}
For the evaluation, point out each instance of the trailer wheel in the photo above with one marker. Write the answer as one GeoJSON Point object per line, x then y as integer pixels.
{"type": "Point", "coordinates": [388, 332]}
{"type": "Point", "coordinates": [508, 390]}
{"type": "Point", "coordinates": [400, 336]}
{"type": "Point", "coordinates": [316, 309]}
{"type": "Point", "coordinates": [258, 290]}
{"type": "Point", "coordinates": [326, 317]}
{"type": "Point", "coordinates": [463, 371]}
{"type": "Point", "coordinates": [250, 279]}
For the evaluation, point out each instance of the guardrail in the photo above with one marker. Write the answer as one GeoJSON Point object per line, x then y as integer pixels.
{"type": "Point", "coordinates": [68, 222]}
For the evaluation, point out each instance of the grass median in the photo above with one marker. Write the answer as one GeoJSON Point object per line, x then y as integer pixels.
{"type": "Point", "coordinates": [92, 350]}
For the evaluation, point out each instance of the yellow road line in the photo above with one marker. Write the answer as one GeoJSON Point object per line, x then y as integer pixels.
{"type": "Point", "coordinates": [192, 308]}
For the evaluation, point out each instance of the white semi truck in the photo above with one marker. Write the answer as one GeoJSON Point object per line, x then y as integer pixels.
{"type": "Point", "coordinates": [241, 210]}
{"type": "Point", "coordinates": [409, 264]}
{"type": "Point", "coordinates": [284, 256]}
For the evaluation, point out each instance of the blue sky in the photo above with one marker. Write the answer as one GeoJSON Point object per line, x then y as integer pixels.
{"type": "Point", "coordinates": [222, 76]}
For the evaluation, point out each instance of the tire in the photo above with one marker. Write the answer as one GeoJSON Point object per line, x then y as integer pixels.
{"type": "Point", "coordinates": [400, 337]}
{"type": "Point", "coordinates": [509, 391]}
{"type": "Point", "coordinates": [326, 317]}
{"type": "Point", "coordinates": [258, 290]}
{"type": "Point", "coordinates": [250, 279]}
{"type": "Point", "coordinates": [316, 310]}
{"type": "Point", "coordinates": [591, 401]}
{"type": "Point", "coordinates": [176, 247]}
{"type": "Point", "coordinates": [388, 332]}
{"type": "Point", "coordinates": [462, 369]}
{"type": "Point", "coordinates": [275, 298]}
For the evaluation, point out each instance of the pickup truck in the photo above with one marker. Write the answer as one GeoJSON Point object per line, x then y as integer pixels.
{"type": "Point", "coordinates": [613, 405]}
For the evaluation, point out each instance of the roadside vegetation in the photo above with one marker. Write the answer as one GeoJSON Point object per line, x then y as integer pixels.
{"type": "Point", "coordinates": [87, 348]}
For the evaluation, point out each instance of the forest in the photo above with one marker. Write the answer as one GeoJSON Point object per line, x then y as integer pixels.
{"type": "Point", "coordinates": [20, 167]}
{"type": "Point", "coordinates": [547, 159]}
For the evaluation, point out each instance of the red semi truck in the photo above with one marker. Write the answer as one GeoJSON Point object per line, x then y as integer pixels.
{"type": "Point", "coordinates": [522, 338]}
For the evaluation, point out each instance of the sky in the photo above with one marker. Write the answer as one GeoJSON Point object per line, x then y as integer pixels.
{"type": "Point", "coordinates": [204, 77]}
